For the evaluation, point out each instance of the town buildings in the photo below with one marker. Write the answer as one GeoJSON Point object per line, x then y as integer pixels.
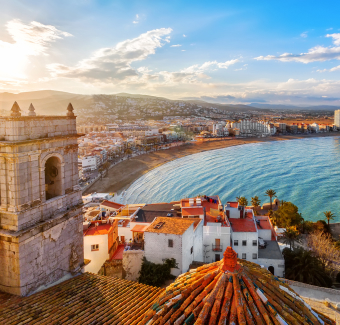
{"type": "Point", "coordinates": [178, 238]}
{"type": "Point", "coordinates": [337, 118]}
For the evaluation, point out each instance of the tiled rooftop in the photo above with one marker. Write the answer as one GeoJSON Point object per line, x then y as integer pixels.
{"type": "Point", "coordinates": [231, 292]}
{"type": "Point", "coordinates": [85, 299]}
{"type": "Point", "coordinates": [242, 225]}
{"type": "Point", "coordinates": [176, 226]}
{"type": "Point", "coordinates": [101, 229]}
{"type": "Point", "coordinates": [110, 204]}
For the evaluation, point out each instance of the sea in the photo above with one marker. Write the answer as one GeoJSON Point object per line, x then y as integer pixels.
{"type": "Point", "coordinates": [305, 172]}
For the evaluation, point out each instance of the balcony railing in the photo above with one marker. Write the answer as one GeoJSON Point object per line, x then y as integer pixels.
{"type": "Point", "coordinates": [217, 248]}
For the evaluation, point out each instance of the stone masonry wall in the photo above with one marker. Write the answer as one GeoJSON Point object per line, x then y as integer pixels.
{"type": "Point", "coordinates": [37, 127]}
{"type": "Point", "coordinates": [42, 257]}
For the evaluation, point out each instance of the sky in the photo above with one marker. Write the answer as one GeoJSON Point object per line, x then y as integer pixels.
{"type": "Point", "coordinates": [230, 51]}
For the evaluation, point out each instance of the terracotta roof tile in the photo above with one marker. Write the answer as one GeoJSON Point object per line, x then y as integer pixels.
{"type": "Point", "coordinates": [231, 292]}
{"type": "Point", "coordinates": [242, 225]}
{"type": "Point", "coordinates": [176, 226]}
{"type": "Point", "coordinates": [85, 299]}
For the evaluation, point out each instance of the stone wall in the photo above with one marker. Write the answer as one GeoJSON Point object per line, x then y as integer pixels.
{"type": "Point", "coordinates": [42, 254]}
{"type": "Point", "coordinates": [132, 264]}
{"type": "Point", "coordinates": [36, 127]}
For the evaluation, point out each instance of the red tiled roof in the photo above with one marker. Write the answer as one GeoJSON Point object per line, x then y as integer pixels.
{"type": "Point", "coordinates": [112, 204]}
{"type": "Point", "coordinates": [101, 229]}
{"type": "Point", "coordinates": [192, 211]}
{"type": "Point", "coordinates": [84, 299]}
{"type": "Point", "coordinates": [263, 224]}
{"type": "Point", "coordinates": [231, 292]}
{"type": "Point", "coordinates": [139, 228]}
{"type": "Point", "coordinates": [242, 225]}
{"type": "Point", "coordinates": [118, 254]}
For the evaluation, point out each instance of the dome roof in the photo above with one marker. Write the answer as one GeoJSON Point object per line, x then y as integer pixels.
{"type": "Point", "coordinates": [231, 291]}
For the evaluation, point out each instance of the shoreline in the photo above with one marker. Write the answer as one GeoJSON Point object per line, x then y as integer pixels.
{"type": "Point", "coordinates": [122, 175]}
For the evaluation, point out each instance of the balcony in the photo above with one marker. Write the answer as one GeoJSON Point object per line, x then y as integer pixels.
{"type": "Point", "coordinates": [217, 248]}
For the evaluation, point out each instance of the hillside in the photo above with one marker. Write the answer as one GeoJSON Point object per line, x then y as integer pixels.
{"type": "Point", "coordinates": [107, 108]}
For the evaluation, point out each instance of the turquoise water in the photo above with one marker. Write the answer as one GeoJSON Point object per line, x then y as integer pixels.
{"type": "Point", "coordinates": [305, 172]}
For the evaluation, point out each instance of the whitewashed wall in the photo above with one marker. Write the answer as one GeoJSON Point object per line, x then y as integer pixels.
{"type": "Point", "coordinates": [97, 257]}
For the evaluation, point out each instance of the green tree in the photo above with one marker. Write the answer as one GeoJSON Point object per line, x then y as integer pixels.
{"type": "Point", "coordinates": [128, 152]}
{"type": "Point", "coordinates": [289, 236]}
{"type": "Point", "coordinates": [255, 202]}
{"type": "Point", "coordinates": [242, 201]}
{"type": "Point", "coordinates": [156, 274]}
{"type": "Point", "coordinates": [287, 216]}
{"type": "Point", "coordinates": [329, 216]}
{"type": "Point", "coordinates": [271, 194]}
{"type": "Point", "coordinates": [303, 266]}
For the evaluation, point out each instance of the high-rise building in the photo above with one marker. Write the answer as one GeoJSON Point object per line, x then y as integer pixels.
{"type": "Point", "coordinates": [41, 233]}
{"type": "Point", "coordinates": [337, 118]}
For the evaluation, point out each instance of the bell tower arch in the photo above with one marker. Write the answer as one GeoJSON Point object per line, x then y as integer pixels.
{"type": "Point", "coordinates": [41, 237]}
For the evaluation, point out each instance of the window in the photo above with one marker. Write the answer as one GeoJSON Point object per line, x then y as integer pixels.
{"type": "Point", "coordinates": [254, 256]}
{"type": "Point", "coordinates": [244, 243]}
{"type": "Point", "coordinates": [217, 257]}
{"type": "Point", "coordinates": [254, 242]}
{"type": "Point", "coordinates": [191, 249]}
{"type": "Point", "coordinates": [244, 256]}
{"type": "Point", "coordinates": [95, 247]}
{"type": "Point", "coordinates": [170, 243]}
{"type": "Point", "coordinates": [235, 242]}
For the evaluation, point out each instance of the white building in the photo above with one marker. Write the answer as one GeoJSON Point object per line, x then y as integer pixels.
{"type": "Point", "coordinates": [337, 118]}
{"type": "Point", "coordinates": [216, 228]}
{"type": "Point", "coordinates": [253, 128]}
{"type": "Point", "coordinates": [96, 197]}
{"type": "Point", "coordinates": [100, 242]}
{"type": "Point", "coordinates": [176, 238]}
{"type": "Point", "coordinates": [249, 233]}
{"type": "Point", "coordinates": [90, 162]}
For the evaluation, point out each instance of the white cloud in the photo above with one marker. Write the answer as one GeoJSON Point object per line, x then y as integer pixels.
{"type": "Point", "coordinates": [336, 38]}
{"type": "Point", "coordinates": [29, 40]}
{"type": "Point", "coordinates": [183, 50]}
{"type": "Point", "coordinates": [330, 70]}
{"type": "Point", "coordinates": [184, 35]}
{"type": "Point", "coordinates": [317, 53]}
{"type": "Point", "coordinates": [329, 29]}
{"type": "Point", "coordinates": [114, 64]}
{"type": "Point", "coordinates": [176, 45]}
{"type": "Point", "coordinates": [137, 19]}
{"type": "Point", "coordinates": [304, 34]}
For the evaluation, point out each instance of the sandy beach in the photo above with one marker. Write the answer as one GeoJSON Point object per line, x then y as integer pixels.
{"type": "Point", "coordinates": [122, 175]}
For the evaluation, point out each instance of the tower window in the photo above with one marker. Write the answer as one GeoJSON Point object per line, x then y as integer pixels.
{"type": "Point", "coordinates": [53, 179]}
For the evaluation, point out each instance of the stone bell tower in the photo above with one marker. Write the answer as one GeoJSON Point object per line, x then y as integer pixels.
{"type": "Point", "coordinates": [41, 237]}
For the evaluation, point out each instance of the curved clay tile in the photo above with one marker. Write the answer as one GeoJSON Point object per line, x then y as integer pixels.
{"type": "Point", "coordinates": [231, 292]}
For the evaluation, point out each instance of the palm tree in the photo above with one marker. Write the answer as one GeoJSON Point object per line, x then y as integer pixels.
{"type": "Point", "coordinates": [302, 266]}
{"type": "Point", "coordinates": [329, 216]}
{"type": "Point", "coordinates": [242, 201]}
{"type": "Point", "coordinates": [271, 194]}
{"type": "Point", "coordinates": [255, 202]}
{"type": "Point", "coordinates": [289, 236]}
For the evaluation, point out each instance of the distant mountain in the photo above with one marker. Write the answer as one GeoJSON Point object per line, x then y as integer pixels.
{"type": "Point", "coordinates": [46, 102]}
{"type": "Point", "coordinates": [292, 107]}
{"type": "Point", "coordinates": [123, 106]}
